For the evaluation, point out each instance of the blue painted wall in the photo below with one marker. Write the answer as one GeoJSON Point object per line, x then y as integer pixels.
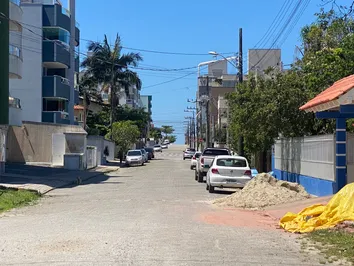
{"type": "Point", "coordinates": [314, 186]}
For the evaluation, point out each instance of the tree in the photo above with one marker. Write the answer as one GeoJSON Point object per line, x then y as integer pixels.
{"type": "Point", "coordinates": [88, 91]}
{"type": "Point", "coordinates": [167, 130]}
{"type": "Point", "coordinates": [156, 134]}
{"type": "Point", "coordinates": [124, 134]}
{"type": "Point", "coordinates": [137, 115]}
{"type": "Point", "coordinates": [171, 138]}
{"type": "Point", "coordinates": [262, 109]}
{"type": "Point", "coordinates": [110, 68]}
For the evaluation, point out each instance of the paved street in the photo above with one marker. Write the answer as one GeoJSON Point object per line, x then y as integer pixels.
{"type": "Point", "coordinates": [151, 215]}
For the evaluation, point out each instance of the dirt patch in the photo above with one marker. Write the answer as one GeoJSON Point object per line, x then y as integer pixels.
{"type": "Point", "coordinates": [240, 218]}
{"type": "Point", "coordinates": [262, 191]}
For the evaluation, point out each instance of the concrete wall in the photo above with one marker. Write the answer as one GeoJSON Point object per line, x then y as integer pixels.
{"type": "Point", "coordinates": [111, 149]}
{"type": "Point", "coordinates": [33, 141]}
{"type": "Point", "coordinates": [101, 144]}
{"type": "Point", "coordinates": [29, 88]}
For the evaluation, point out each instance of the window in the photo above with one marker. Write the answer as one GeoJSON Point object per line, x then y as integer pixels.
{"type": "Point", "coordinates": [55, 105]}
{"type": "Point", "coordinates": [231, 162]}
{"type": "Point", "coordinates": [134, 153]}
{"type": "Point", "coordinates": [56, 34]}
{"type": "Point", "coordinates": [215, 152]}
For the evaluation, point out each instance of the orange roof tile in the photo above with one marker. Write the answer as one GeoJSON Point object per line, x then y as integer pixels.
{"type": "Point", "coordinates": [339, 88]}
{"type": "Point", "coordinates": [78, 107]}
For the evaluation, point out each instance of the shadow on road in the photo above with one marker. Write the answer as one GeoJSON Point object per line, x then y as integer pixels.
{"type": "Point", "coordinates": [31, 176]}
{"type": "Point", "coordinates": [224, 192]}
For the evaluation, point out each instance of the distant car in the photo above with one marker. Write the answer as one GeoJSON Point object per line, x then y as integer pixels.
{"type": "Point", "coordinates": [194, 159]}
{"type": "Point", "coordinates": [228, 171]}
{"type": "Point", "coordinates": [166, 141]}
{"type": "Point", "coordinates": [145, 155]}
{"type": "Point", "coordinates": [134, 157]}
{"type": "Point", "coordinates": [164, 146]}
{"type": "Point", "coordinates": [188, 153]}
{"type": "Point", "coordinates": [151, 152]}
{"type": "Point", "coordinates": [157, 148]}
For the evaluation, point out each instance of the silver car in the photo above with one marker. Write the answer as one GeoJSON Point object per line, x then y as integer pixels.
{"type": "Point", "coordinates": [145, 155]}
{"type": "Point", "coordinates": [134, 157]}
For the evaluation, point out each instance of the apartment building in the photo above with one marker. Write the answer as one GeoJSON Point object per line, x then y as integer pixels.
{"type": "Point", "coordinates": [50, 39]}
{"type": "Point", "coordinates": [15, 58]}
{"type": "Point", "coordinates": [260, 60]}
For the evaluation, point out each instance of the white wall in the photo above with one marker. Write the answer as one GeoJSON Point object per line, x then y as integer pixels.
{"type": "Point", "coordinates": [29, 88]}
{"type": "Point", "coordinates": [309, 156]}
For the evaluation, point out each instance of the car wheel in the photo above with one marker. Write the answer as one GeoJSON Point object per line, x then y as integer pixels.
{"type": "Point", "coordinates": [195, 175]}
{"type": "Point", "coordinates": [200, 177]}
{"type": "Point", "coordinates": [191, 167]}
{"type": "Point", "coordinates": [211, 189]}
{"type": "Point", "coordinates": [184, 158]}
{"type": "Point", "coordinates": [207, 186]}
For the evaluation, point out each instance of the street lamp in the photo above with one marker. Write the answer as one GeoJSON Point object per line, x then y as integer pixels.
{"type": "Point", "coordinates": [227, 59]}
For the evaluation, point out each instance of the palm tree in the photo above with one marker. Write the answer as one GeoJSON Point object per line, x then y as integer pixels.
{"type": "Point", "coordinates": [110, 68]}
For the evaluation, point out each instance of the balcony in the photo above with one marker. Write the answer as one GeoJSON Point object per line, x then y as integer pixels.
{"type": "Point", "coordinates": [15, 112]}
{"type": "Point", "coordinates": [15, 15]}
{"type": "Point", "coordinates": [55, 86]}
{"type": "Point", "coordinates": [56, 16]}
{"type": "Point", "coordinates": [15, 66]}
{"type": "Point", "coordinates": [55, 55]}
{"type": "Point", "coordinates": [55, 117]}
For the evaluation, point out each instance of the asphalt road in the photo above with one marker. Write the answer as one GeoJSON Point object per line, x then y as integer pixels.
{"type": "Point", "coordinates": [151, 215]}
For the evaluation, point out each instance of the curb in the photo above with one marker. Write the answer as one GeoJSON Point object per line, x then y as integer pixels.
{"type": "Point", "coordinates": [84, 179]}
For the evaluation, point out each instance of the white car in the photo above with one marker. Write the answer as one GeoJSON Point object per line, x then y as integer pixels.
{"type": "Point", "coordinates": [157, 148]}
{"type": "Point", "coordinates": [194, 159]}
{"type": "Point", "coordinates": [228, 171]}
{"type": "Point", "coordinates": [134, 157]}
{"type": "Point", "coordinates": [164, 146]}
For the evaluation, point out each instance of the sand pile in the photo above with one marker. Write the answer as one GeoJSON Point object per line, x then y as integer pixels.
{"type": "Point", "coordinates": [262, 191]}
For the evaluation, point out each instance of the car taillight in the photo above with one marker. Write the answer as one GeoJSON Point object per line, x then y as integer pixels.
{"type": "Point", "coordinates": [202, 161]}
{"type": "Point", "coordinates": [214, 171]}
{"type": "Point", "coordinates": [248, 172]}
{"type": "Point", "coordinates": [193, 158]}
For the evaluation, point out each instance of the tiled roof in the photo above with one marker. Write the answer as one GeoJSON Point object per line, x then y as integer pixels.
{"type": "Point", "coordinates": [339, 88]}
{"type": "Point", "coordinates": [78, 107]}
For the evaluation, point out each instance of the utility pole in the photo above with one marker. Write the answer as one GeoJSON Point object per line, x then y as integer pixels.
{"type": "Point", "coordinates": [240, 79]}
{"type": "Point", "coordinates": [4, 62]}
{"type": "Point", "coordinates": [207, 115]}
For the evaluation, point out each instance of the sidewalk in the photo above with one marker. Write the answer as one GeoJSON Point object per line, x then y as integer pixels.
{"type": "Point", "coordinates": [53, 180]}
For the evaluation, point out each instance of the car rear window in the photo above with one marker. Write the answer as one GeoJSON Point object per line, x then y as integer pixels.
{"type": "Point", "coordinates": [157, 146]}
{"type": "Point", "coordinates": [231, 162]}
{"type": "Point", "coordinates": [149, 149]}
{"type": "Point", "coordinates": [197, 155]}
{"type": "Point", "coordinates": [134, 153]}
{"type": "Point", "coordinates": [216, 152]}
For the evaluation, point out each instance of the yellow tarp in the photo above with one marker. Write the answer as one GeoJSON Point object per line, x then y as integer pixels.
{"type": "Point", "coordinates": [340, 208]}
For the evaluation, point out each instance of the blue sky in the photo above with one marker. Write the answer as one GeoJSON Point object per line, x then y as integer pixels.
{"type": "Point", "coordinates": [194, 26]}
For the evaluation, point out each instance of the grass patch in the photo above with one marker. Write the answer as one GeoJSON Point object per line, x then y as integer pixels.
{"type": "Point", "coordinates": [11, 198]}
{"type": "Point", "coordinates": [334, 244]}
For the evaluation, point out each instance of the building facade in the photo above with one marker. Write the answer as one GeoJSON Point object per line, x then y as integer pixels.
{"type": "Point", "coordinates": [48, 89]}
{"type": "Point", "coordinates": [259, 60]}
{"type": "Point", "coordinates": [146, 102]}
{"type": "Point", "coordinates": [15, 58]}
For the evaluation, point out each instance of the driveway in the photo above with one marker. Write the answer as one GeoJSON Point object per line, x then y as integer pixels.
{"type": "Point", "coordinates": [151, 215]}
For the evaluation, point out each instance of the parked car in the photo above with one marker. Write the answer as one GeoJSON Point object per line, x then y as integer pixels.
{"type": "Point", "coordinates": [151, 152]}
{"type": "Point", "coordinates": [145, 155]}
{"type": "Point", "coordinates": [166, 141]}
{"type": "Point", "coordinates": [157, 148]}
{"type": "Point", "coordinates": [228, 172]}
{"type": "Point", "coordinates": [205, 160]}
{"type": "Point", "coordinates": [134, 157]}
{"type": "Point", "coordinates": [188, 153]}
{"type": "Point", "coordinates": [164, 146]}
{"type": "Point", "coordinates": [194, 159]}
